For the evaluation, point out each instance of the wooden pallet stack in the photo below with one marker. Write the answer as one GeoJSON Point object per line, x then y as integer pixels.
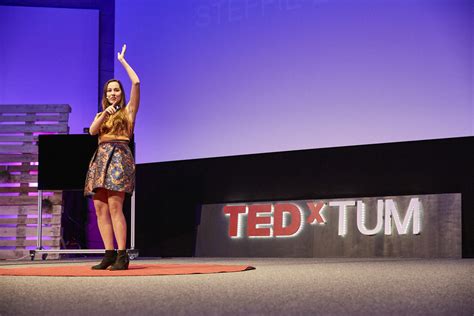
{"type": "Point", "coordinates": [20, 126]}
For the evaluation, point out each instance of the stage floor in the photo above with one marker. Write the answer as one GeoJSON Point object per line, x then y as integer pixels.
{"type": "Point", "coordinates": [278, 286]}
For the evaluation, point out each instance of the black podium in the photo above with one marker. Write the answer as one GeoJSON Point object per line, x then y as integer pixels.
{"type": "Point", "coordinates": [63, 161]}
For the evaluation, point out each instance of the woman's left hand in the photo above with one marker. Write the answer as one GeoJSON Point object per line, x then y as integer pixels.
{"type": "Point", "coordinates": [121, 55]}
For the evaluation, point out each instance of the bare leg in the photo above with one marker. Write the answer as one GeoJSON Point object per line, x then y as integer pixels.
{"type": "Point", "coordinates": [115, 201]}
{"type": "Point", "coordinates": [103, 218]}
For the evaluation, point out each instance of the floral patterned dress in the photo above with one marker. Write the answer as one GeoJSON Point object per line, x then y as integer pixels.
{"type": "Point", "coordinates": [112, 167]}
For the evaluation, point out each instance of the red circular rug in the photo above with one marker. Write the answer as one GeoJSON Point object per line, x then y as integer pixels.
{"type": "Point", "coordinates": [133, 270]}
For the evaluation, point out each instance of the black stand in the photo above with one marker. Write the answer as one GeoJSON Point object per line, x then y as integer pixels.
{"type": "Point", "coordinates": [62, 165]}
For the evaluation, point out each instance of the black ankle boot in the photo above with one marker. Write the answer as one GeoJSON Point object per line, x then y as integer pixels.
{"type": "Point", "coordinates": [109, 259]}
{"type": "Point", "coordinates": [122, 261]}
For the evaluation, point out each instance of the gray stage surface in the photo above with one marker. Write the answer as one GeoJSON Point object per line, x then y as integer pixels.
{"type": "Point", "coordinates": [277, 287]}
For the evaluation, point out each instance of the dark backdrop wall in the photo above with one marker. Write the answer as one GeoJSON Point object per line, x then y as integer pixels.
{"type": "Point", "coordinates": [169, 194]}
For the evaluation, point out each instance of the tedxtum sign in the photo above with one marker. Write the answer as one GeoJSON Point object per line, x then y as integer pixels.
{"type": "Point", "coordinates": [392, 226]}
{"type": "Point", "coordinates": [289, 219]}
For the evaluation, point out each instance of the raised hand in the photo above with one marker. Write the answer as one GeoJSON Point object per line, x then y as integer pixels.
{"type": "Point", "coordinates": [133, 103]}
{"type": "Point", "coordinates": [121, 55]}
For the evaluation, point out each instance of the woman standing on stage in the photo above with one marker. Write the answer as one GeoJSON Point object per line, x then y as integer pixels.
{"type": "Point", "coordinates": [112, 168]}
